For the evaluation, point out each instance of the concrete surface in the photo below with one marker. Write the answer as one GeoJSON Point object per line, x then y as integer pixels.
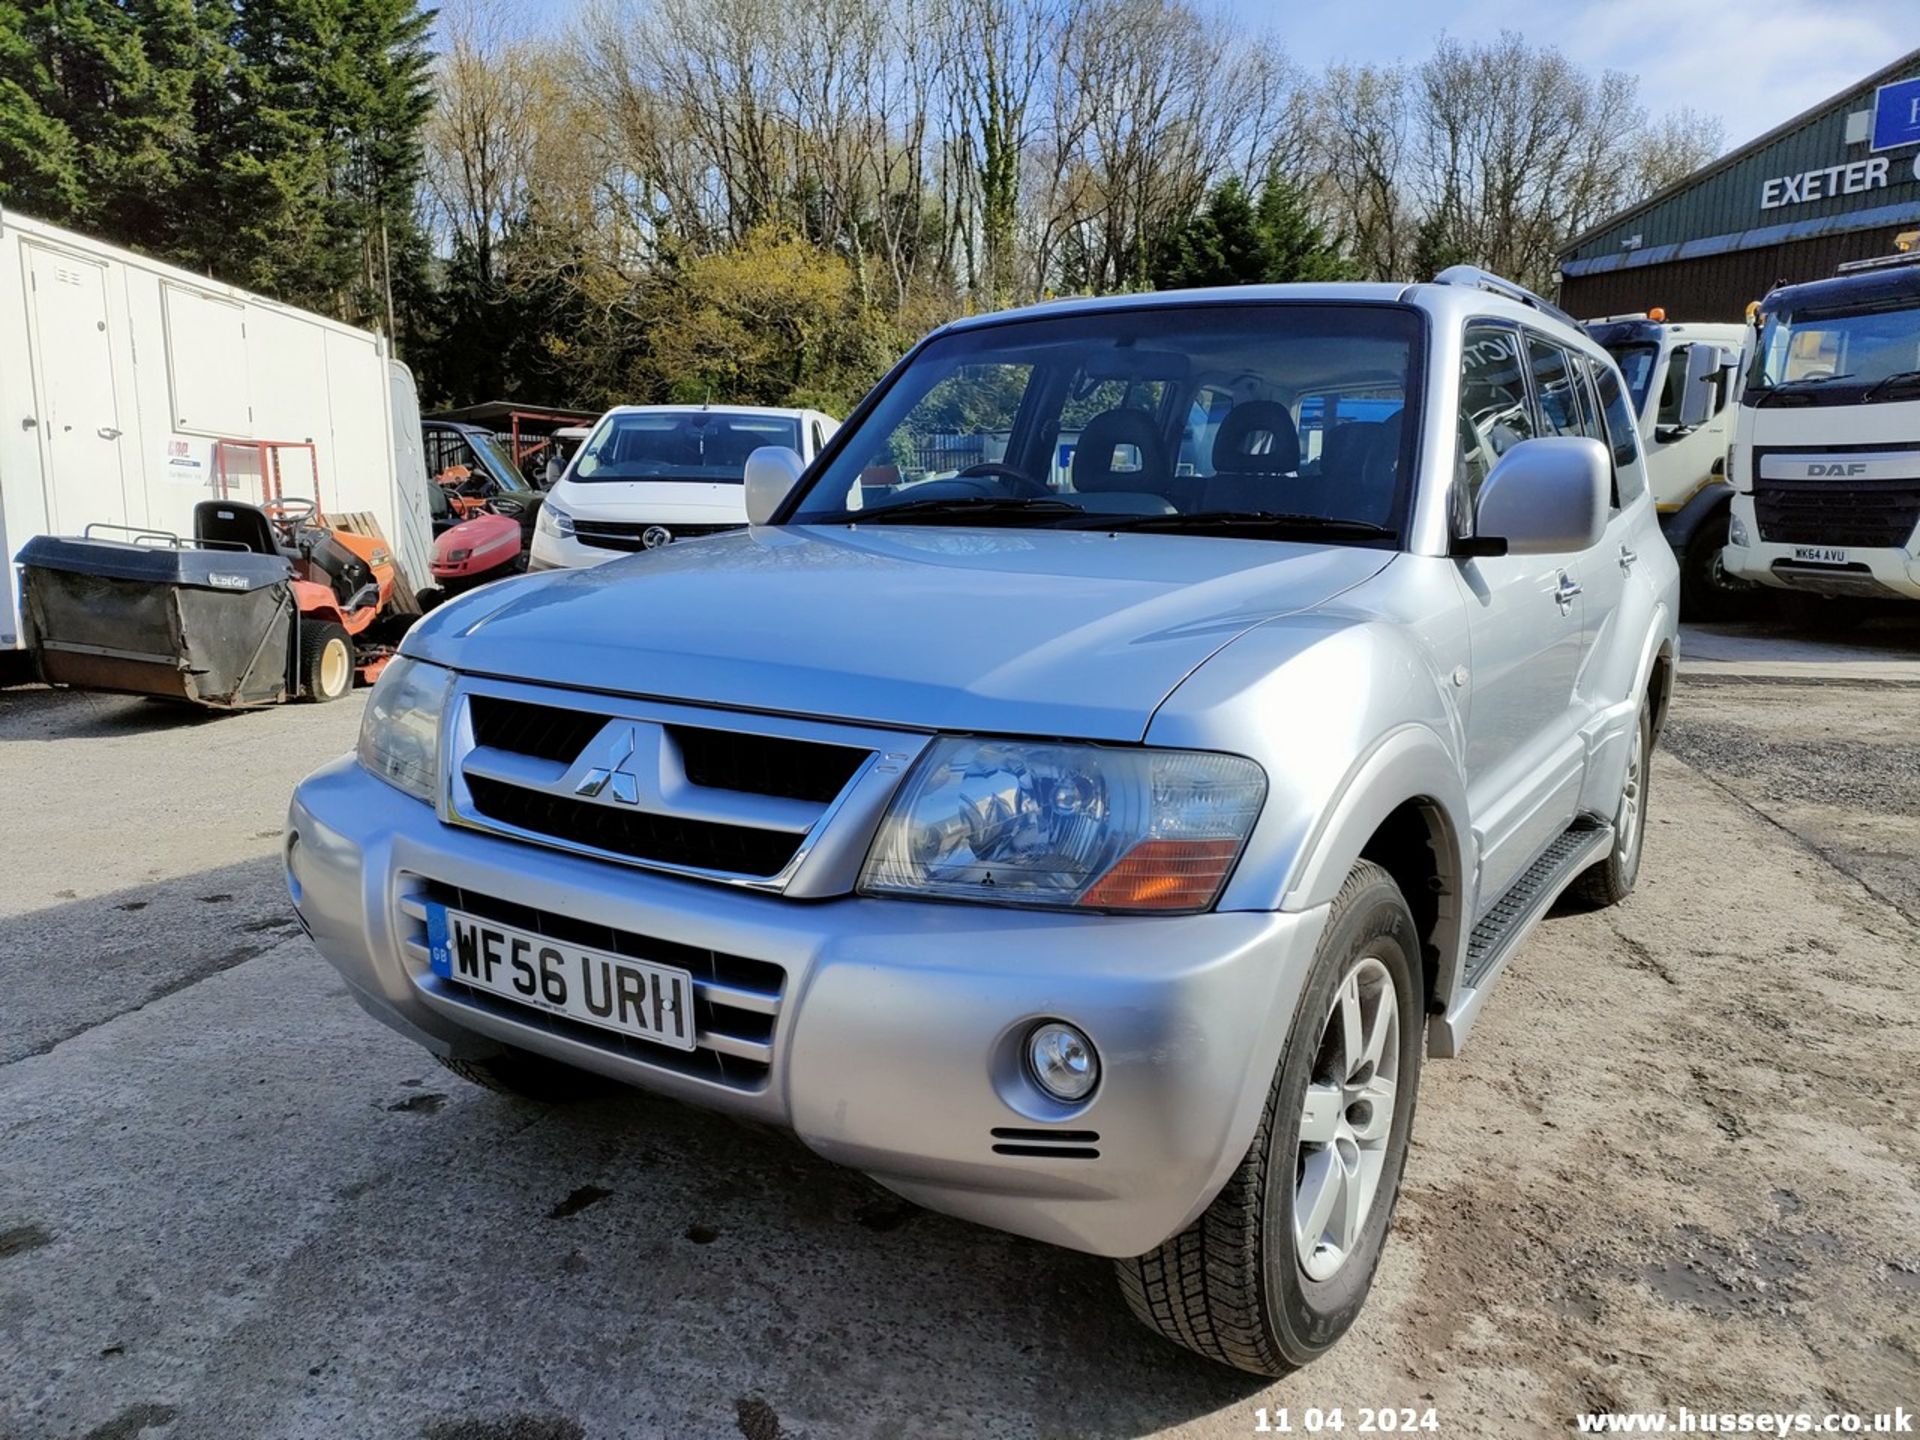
{"type": "Point", "coordinates": [1882, 650]}
{"type": "Point", "coordinates": [1677, 1165]}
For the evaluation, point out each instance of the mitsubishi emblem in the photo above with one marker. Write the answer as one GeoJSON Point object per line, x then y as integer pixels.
{"type": "Point", "coordinates": [626, 789]}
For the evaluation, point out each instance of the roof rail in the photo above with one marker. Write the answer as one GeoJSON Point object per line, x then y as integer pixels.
{"type": "Point", "coordinates": [1474, 276]}
{"type": "Point", "coordinates": [1879, 262]}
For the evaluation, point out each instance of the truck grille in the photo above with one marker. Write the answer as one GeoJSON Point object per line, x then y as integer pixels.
{"type": "Point", "coordinates": [631, 535]}
{"type": "Point", "coordinates": [736, 999]}
{"type": "Point", "coordinates": [722, 797]}
{"type": "Point", "coordinates": [1876, 513]}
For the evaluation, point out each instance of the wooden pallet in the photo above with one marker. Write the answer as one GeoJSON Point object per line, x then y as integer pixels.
{"type": "Point", "coordinates": [406, 594]}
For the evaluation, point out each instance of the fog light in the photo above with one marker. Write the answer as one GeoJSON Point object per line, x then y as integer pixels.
{"type": "Point", "coordinates": [1062, 1061]}
{"type": "Point", "coordinates": [1737, 531]}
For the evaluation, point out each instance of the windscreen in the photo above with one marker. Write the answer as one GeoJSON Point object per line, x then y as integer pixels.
{"type": "Point", "coordinates": [693, 445]}
{"type": "Point", "coordinates": [1168, 416]}
{"type": "Point", "coordinates": [1838, 356]}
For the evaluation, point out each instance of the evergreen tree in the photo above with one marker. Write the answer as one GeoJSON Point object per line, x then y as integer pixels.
{"type": "Point", "coordinates": [1294, 247]}
{"type": "Point", "coordinates": [1241, 239]}
{"type": "Point", "coordinates": [40, 165]}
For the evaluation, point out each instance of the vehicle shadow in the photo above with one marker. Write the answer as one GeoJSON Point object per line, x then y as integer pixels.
{"type": "Point", "coordinates": [644, 1266]}
{"type": "Point", "coordinates": [40, 712]}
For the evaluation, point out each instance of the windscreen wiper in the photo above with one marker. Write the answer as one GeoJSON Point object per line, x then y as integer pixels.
{"type": "Point", "coordinates": [1267, 522]}
{"type": "Point", "coordinates": [1798, 387]}
{"type": "Point", "coordinates": [971, 509]}
{"type": "Point", "coordinates": [1887, 382]}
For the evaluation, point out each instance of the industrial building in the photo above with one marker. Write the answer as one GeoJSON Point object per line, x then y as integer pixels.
{"type": "Point", "coordinates": [1840, 182]}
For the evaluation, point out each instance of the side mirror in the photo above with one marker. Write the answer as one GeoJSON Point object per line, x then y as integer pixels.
{"type": "Point", "coordinates": [772, 471]}
{"type": "Point", "coordinates": [1704, 364]}
{"type": "Point", "coordinates": [1545, 497]}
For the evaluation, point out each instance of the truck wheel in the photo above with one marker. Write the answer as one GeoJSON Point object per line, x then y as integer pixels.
{"type": "Point", "coordinates": [1611, 880]}
{"type": "Point", "coordinates": [529, 1076]}
{"type": "Point", "coordinates": [1707, 591]}
{"type": "Point", "coordinates": [1278, 1266]}
{"type": "Point", "coordinates": [326, 660]}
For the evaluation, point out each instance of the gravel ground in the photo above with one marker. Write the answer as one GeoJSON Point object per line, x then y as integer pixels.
{"type": "Point", "coordinates": [1678, 1164]}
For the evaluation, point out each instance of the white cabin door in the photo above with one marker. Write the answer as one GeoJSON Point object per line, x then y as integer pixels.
{"type": "Point", "coordinates": [73, 372]}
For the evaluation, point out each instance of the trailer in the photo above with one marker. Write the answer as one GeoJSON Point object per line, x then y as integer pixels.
{"type": "Point", "coordinates": [131, 391]}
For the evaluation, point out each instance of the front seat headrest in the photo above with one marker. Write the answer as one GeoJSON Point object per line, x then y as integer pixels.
{"type": "Point", "coordinates": [1100, 437]}
{"type": "Point", "coordinates": [1256, 438]}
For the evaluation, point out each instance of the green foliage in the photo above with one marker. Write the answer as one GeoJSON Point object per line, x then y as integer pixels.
{"type": "Point", "coordinates": [1244, 239]}
{"type": "Point", "coordinates": [272, 143]}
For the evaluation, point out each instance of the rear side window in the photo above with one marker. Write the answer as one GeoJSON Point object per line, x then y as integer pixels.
{"type": "Point", "coordinates": [1629, 481]}
{"type": "Point", "coordinates": [1495, 414]}
{"type": "Point", "coordinates": [1553, 382]}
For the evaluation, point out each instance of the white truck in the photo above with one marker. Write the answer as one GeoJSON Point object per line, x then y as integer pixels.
{"type": "Point", "coordinates": [129, 390]}
{"type": "Point", "coordinates": [1826, 454]}
{"type": "Point", "coordinates": [1684, 381]}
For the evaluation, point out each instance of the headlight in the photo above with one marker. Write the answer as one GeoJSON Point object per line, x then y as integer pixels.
{"type": "Point", "coordinates": [1737, 532]}
{"type": "Point", "coordinates": [400, 731]}
{"type": "Point", "coordinates": [1063, 825]}
{"type": "Point", "coordinates": [555, 522]}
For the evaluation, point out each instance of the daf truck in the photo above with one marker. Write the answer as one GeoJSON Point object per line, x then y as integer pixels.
{"type": "Point", "coordinates": [1825, 461]}
{"type": "Point", "coordinates": [1684, 381]}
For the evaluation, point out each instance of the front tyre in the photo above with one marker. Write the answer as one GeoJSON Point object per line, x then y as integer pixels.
{"type": "Point", "coordinates": [326, 660]}
{"type": "Point", "coordinates": [1611, 880]}
{"type": "Point", "coordinates": [1707, 590]}
{"type": "Point", "coordinates": [1277, 1267]}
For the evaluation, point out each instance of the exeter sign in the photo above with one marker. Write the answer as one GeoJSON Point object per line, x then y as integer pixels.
{"type": "Point", "coordinates": [1831, 180]}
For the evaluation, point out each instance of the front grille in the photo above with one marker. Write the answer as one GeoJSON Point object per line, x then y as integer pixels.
{"type": "Point", "coordinates": [765, 764]}
{"type": "Point", "coordinates": [736, 1002]}
{"type": "Point", "coordinates": [637, 834]}
{"type": "Point", "coordinates": [547, 731]}
{"type": "Point", "coordinates": [629, 535]}
{"type": "Point", "coordinates": [605, 776]}
{"type": "Point", "coordinates": [1876, 513]}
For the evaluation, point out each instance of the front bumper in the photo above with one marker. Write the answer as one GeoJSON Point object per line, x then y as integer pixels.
{"type": "Point", "coordinates": [895, 1048]}
{"type": "Point", "coordinates": [1879, 571]}
{"type": "Point", "coordinates": [565, 552]}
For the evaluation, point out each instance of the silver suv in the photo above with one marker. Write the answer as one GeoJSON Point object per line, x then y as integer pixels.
{"type": "Point", "coordinates": [1080, 799]}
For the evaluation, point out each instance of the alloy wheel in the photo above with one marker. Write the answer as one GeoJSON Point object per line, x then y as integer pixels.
{"type": "Point", "coordinates": [1346, 1119]}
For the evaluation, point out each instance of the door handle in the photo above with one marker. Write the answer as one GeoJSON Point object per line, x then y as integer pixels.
{"type": "Point", "coordinates": [107, 432]}
{"type": "Point", "coordinates": [1567, 592]}
{"type": "Point", "coordinates": [1627, 557]}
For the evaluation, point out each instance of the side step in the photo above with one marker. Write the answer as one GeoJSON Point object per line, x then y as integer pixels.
{"type": "Point", "coordinates": [1505, 927]}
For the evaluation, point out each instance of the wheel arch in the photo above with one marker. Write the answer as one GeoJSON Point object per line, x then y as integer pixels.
{"type": "Point", "coordinates": [1404, 808]}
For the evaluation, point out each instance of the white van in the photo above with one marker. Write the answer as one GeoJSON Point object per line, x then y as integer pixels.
{"type": "Point", "coordinates": [652, 474]}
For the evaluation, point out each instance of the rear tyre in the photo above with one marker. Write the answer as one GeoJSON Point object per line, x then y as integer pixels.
{"type": "Point", "coordinates": [1612, 879]}
{"type": "Point", "coordinates": [326, 660]}
{"type": "Point", "coordinates": [1278, 1266]}
{"type": "Point", "coordinates": [1707, 591]}
{"type": "Point", "coordinates": [529, 1076]}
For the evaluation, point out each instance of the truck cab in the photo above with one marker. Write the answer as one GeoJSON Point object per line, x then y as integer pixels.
{"type": "Point", "coordinates": [1825, 461]}
{"type": "Point", "coordinates": [1684, 382]}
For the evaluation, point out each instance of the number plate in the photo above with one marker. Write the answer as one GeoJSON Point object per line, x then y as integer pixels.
{"type": "Point", "coordinates": [1819, 555]}
{"type": "Point", "coordinates": [595, 987]}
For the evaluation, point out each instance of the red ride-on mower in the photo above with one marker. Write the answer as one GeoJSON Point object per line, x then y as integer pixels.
{"type": "Point", "coordinates": [472, 552]}
{"type": "Point", "coordinates": [263, 604]}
